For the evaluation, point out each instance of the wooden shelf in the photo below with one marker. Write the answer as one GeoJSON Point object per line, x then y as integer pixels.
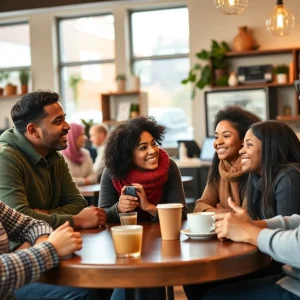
{"type": "Point", "coordinates": [112, 122]}
{"type": "Point", "coordinates": [252, 86]}
{"type": "Point", "coordinates": [288, 118]}
{"type": "Point", "coordinates": [115, 93]}
{"type": "Point", "coordinates": [10, 97]}
{"type": "Point", "coordinates": [110, 102]}
{"type": "Point", "coordinates": [278, 98]}
{"type": "Point", "coordinates": [261, 52]}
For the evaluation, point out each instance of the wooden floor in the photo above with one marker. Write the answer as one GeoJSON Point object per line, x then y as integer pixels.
{"type": "Point", "coordinates": [179, 293]}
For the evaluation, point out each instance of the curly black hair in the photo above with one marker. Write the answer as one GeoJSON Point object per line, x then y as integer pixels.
{"type": "Point", "coordinates": [124, 139]}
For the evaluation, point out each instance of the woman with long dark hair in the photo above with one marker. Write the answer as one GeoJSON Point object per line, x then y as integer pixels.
{"type": "Point", "coordinates": [226, 178]}
{"type": "Point", "coordinates": [271, 154]}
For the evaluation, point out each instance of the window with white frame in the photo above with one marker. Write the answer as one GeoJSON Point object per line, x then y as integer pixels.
{"type": "Point", "coordinates": [15, 54]}
{"type": "Point", "coordinates": [160, 56]}
{"type": "Point", "coordinates": [86, 63]}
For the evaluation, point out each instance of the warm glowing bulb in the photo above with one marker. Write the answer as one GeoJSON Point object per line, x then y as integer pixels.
{"type": "Point", "coordinates": [280, 21]}
{"type": "Point", "coordinates": [231, 7]}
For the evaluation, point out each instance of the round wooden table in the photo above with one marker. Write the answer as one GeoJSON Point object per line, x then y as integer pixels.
{"type": "Point", "coordinates": [91, 190]}
{"type": "Point", "coordinates": [162, 263]}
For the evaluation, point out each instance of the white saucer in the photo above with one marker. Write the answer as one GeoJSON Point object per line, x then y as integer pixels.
{"type": "Point", "coordinates": [198, 236]}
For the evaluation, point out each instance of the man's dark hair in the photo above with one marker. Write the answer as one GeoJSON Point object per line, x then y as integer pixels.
{"type": "Point", "coordinates": [124, 139]}
{"type": "Point", "coordinates": [30, 108]}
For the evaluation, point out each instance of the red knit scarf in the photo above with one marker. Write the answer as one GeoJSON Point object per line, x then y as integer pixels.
{"type": "Point", "coordinates": [152, 181]}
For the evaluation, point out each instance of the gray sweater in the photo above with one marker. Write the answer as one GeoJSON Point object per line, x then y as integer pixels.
{"type": "Point", "coordinates": [172, 193]}
{"type": "Point", "coordinates": [282, 241]}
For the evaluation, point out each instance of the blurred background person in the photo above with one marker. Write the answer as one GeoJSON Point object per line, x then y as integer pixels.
{"type": "Point", "coordinates": [98, 135]}
{"type": "Point", "coordinates": [79, 159]}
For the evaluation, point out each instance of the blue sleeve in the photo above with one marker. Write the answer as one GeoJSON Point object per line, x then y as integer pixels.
{"type": "Point", "coordinates": [282, 245]}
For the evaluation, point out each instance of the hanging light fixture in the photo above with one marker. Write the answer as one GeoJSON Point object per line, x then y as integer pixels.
{"type": "Point", "coordinates": [231, 7]}
{"type": "Point", "coordinates": [281, 21]}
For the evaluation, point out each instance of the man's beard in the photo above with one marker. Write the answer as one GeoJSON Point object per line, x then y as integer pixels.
{"type": "Point", "coordinates": [53, 144]}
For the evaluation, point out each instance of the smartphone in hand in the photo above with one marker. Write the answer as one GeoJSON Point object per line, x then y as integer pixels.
{"type": "Point", "coordinates": [130, 190]}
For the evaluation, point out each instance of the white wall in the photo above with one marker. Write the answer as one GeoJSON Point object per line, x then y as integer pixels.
{"type": "Point", "coordinates": [206, 23]}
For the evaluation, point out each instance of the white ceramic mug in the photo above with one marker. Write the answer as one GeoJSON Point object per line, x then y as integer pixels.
{"type": "Point", "coordinates": [201, 222]}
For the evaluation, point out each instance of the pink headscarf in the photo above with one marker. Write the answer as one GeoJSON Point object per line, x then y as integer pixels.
{"type": "Point", "coordinates": [72, 153]}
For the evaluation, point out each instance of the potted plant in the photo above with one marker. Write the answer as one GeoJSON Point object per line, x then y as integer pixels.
{"type": "Point", "coordinates": [136, 81]}
{"type": "Point", "coordinates": [200, 74]}
{"type": "Point", "coordinates": [87, 125]}
{"type": "Point", "coordinates": [134, 110]}
{"type": "Point", "coordinates": [74, 80]}
{"type": "Point", "coordinates": [121, 82]}
{"type": "Point", "coordinates": [1, 79]}
{"type": "Point", "coordinates": [281, 72]}
{"type": "Point", "coordinates": [24, 75]}
{"type": "Point", "coordinates": [10, 89]}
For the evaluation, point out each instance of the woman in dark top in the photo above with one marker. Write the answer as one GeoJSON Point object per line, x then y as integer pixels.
{"type": "Point", "coordinates": [133, 157]}
{"type": "Point", "coordinates": [271, 154]}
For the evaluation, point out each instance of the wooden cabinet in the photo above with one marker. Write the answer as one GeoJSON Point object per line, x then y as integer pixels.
{"type": "Point", "coordinates": [114, 103]}
{"type": "Point", "coordinates": [282, 95]}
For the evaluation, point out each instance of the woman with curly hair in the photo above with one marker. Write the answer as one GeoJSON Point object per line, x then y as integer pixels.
{"type": "Point", "coordinates": [133, 157]}
{"type": "Point", "coordinates": [226, 178]}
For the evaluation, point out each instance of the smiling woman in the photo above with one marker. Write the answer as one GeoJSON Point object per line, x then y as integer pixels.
{"type": "Point", "coordinates": [271, 154]}
{"type": "Point", "coordinates": [226, 178]}
{"type": "Point", "coordinates": [133, 157]}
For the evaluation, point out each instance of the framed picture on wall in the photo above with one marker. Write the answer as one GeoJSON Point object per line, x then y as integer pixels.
{"type": "Point", "coordinates": [254, 100]}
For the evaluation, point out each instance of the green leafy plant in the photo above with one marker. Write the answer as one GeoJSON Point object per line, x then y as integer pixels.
{"type": "Point", "coordinates": [74, 80]}
{"type": "Point", "coordinates": [6, 76]}
{"type": "Point", "coordinates": [282, 69]}
{"type": "Point", "coordinates": [121, 77]}
{"type": "Point", "coordinates": [24, 75]}
{"type": "Point", "coordinates": [1, 76]}
{"type": "Point", "coordinates": [200, 74]}
{"type": "Point", "coordinates": [87, 125]}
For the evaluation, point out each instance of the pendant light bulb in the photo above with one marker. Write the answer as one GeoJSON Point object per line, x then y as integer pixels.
{"type": "Point", "coordinates": [281, 21]}
{"type": "Point", "coordinates": [231, 7]}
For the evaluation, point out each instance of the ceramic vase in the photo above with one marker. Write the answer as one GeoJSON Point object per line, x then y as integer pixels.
{"type": "Point", "coordinates": [136, 83]}
{"type": "Point", "coordinates": [243, 41]}
{"type": "Point", "coordinates": [121, 85]}
{"type": "Point", "coordinates": [281, 78]}
{"type": "Point", "coordinates": [232, 80]}
{"type": "Point", "coordinates": [10, 90]}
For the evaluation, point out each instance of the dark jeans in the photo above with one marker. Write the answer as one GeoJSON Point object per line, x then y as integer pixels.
{"type": "Point", "coordinates": [141, 294]}
{"type": "Point", "coordinates": [41, 291]}
{"type": "Point", "coordinates": [258, 289]}
{"type": "Point", "coordinates": [198, 291]}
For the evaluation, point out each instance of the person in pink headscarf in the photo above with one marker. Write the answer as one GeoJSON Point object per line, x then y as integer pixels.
{"type": "Point", "coordinates": [79, 159]}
